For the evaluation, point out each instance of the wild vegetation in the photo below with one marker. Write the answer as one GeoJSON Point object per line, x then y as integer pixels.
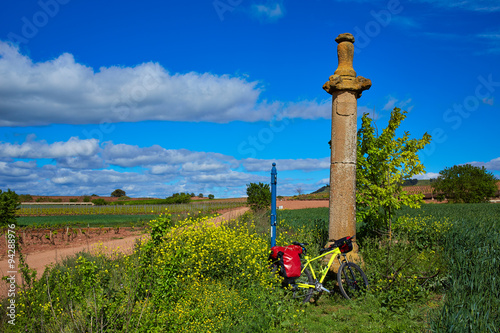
{"type": "Point", "coordinates": [192, 276]}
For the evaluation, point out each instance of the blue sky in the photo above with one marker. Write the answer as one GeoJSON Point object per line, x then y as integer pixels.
{"type": "Point", "coordinates": [159, 97]}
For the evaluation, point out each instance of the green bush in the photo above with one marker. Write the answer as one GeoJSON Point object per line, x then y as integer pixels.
{"type": "Point", "coordinates": [25, 198]}
{"type": "Point", "coordinates": [259, 196]}
{"type": "Point", "coordinates": [99, 202]}
{"type": "Point", "coordinates": [9, 203]}
{"type": "Point", "coordinates": [178, 198]}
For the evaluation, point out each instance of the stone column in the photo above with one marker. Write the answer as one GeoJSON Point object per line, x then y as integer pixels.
{"type": "Point", "coordinates": [345, 88]}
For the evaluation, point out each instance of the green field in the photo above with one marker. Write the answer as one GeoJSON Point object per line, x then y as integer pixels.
{"type": "Point", "coordinates": [86, 220]}
{"type": "Point", "coordinates": [460, 241]}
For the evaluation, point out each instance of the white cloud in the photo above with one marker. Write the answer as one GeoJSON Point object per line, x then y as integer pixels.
{"type": "Point", "coordinates": [306, 164]}
{"type": "Point", "coordinates": [390, 104]}
{"type": "Point", "coordinates": [130, 156]}
{"type": "Point", "coordinates": [82, 167]}
{"type": "Point", "coordinates": [428, 175]}
{"type": "Point", "coordinates": [307, 110]}
{"type": "Point", "coordinates": [394, 102]}
{"type": "Point", "coordinates": [63, 91]}
{"type": "Point", "coordinates": [271, 11]}
{"type": "Point", "coordinates": [40, 149]}
{"type": "Point", "coordinates": [493, 165]}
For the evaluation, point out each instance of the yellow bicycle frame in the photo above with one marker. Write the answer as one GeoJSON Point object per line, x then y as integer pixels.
{"type": "Point", "coordinates": [335, 254]}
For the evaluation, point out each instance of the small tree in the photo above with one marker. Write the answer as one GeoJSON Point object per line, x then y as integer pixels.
{"type": "Point", "coordinates": [200, 195]}
{"type": "Point", "coordinates": [211, 196]}
{"type": "Point", "coordinates": [259, 196]}
{"type": "Point", "coordinates": [118, 193]}
{"type": "Point", "coordinates": [9, 203]}
{"type": "Point", "coordinates": [383, 164]}
{"type": "Point", "coordinates": [299, 190]}
{"type": "Point", "coordinates": [466, 183]}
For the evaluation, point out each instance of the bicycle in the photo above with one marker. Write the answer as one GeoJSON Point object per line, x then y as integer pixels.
{"type": "Point", "coordinates": [350, 277]}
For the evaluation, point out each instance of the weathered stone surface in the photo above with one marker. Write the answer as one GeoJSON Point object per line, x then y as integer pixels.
{"type": "Point", "coordinates": [345, 88]}
{"type": "Point", "coordinates": [342, 200]}
{"type": "Point", "coordinates": [344, 124]}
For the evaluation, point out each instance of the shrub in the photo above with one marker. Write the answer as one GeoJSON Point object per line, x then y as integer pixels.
{"type": "Point", "coordinates": [99, 202]}
{"type": "Point", "coordinates": [259, 196]}
{"type": "Point", "coordinates": [87, 198]}
{"type": "Point", "coordinates": [25, 198]}
{"type": "Point", "coordinates": [178, 198]}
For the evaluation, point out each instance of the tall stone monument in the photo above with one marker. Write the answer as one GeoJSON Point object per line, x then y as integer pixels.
{"type": "Point", "coordinates": [345, 88]}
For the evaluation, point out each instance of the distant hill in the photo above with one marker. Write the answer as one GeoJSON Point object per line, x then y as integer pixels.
{"type": "Point", "coordinates": [323, 189]}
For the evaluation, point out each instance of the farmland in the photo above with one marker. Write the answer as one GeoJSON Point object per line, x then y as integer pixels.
{"type": "Point", "coordinates": [145, 209]}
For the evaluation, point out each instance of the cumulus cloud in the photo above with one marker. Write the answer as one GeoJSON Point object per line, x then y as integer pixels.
{"type": "Point", "coordinates": [80, 167]}
{"type": "Point", "coordinates": [307, 110]}
{"type": "Point", "coordinates": [74, 147]}
{"type": "Point", "coordinates": [130, 156]}
{"type": "Point", "coordinates": [493, 165]}
{"type": "Point", "coordinates": [306, 164]}
{"type": "Point", "coordinates": [62, 91]}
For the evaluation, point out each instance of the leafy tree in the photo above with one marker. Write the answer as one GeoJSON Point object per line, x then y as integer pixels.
{"type": "Point", "coordinates": [9, 203]}
{"type": "Point", "coordinates": [25, 198]}
{"type": "Point", "coordinates": [99, 202]}
{"type": "Point", "coordinates": [211, 196]}
{"type": "Point", "coordinates": [259, 196]}
{"type": "Point", "coordinates": [384, 162]}
{"type": "Point", "coordinates": [118, 193]}
{"type": "Point", "coordinates": [178, 198]}
{"type": "Point", "coordinates": [200, 195]}
{"type": "Point", "coordinates": [466, 183]}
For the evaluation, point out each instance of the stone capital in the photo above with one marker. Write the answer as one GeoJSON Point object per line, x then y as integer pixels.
{"type": "Point", "coordinates": [345, 77]}
{"type": "Point", "coordinates": [355, 84]}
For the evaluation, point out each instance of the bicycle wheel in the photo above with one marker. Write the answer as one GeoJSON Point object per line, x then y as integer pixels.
{"type": "Point", "coordinates": [352, 280]}
{"type": "Point", "coordinates": [303, 293]}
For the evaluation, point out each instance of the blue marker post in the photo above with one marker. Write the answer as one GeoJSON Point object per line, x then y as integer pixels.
{"type": "Point", "coordinates": [274, 181]}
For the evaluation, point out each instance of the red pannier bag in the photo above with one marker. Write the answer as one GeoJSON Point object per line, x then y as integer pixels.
{"type": "Point", "coordinates": [288, 260]}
